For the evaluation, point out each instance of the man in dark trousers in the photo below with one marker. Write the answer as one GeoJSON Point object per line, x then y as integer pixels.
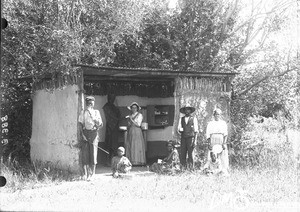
{"type": "Point", "coordinates": [188, 128]}
{"type": "Point", "coordinates": [112, 116]}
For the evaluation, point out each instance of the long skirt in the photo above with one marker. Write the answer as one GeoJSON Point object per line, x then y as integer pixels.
{"type": "Point", "coordinates": [218, 139]}
{"type": "Point", "coordinates": [135, 146]}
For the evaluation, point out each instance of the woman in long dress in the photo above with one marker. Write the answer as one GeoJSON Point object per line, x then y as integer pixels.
{"type": "Point", "coordinates": [216, 134]}
{"type": "Point", "coordinates": [135, 145]}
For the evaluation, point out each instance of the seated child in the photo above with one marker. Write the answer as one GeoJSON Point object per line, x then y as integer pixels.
{"type": "Point", "coordinates": [120, 163]}
{"type": "Point", "coordinates": [169, 164]}
{"type": "Point", "coordinates": [214, 163]}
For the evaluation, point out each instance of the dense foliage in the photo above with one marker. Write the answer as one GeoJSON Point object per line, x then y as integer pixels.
{"type": "Point", "coordinates": [203, 35]}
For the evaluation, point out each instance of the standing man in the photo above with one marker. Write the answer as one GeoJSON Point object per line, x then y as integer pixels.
{"type": "Point", "coordinates": [112, 116]}
{"type": "Point", "coordinates": [90, 121]}
{"type": "Point", "coordinates": [216, 134]}
{"type": "Point", "coordinates": [188, 128]}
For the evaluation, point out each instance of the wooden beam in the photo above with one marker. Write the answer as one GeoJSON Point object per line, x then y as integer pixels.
{"type": "Point", "coordinates": [128, 79]}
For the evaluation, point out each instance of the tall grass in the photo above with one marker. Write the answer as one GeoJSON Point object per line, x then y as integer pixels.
{"type": "Point", "coordinates": [32, 175]}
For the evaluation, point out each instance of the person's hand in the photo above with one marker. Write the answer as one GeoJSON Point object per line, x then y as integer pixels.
{"type": "Point", "coordinates": [224, 146]}
{"type": "Point", "coordinates": [193, 143]}
{"type": "Point", "coordinates": [116, 174]}
{"type": "Point", "coordinates": [208, 140]}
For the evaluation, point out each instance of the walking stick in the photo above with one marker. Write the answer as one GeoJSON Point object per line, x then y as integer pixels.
{"type": "Point", "coordinates": [98, 147]}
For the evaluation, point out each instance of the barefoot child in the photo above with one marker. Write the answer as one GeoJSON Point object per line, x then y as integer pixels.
{"type": "Point", "coordinates": [213, 164]}
{"type": "Point", "coordinates": [120, 163]}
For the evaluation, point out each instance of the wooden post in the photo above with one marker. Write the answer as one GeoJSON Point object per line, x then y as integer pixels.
{"type": "Point", "coordinates": [80, 92]}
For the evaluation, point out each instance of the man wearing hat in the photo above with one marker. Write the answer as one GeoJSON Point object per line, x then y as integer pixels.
{"type": "Point", "coordinates": [90, 121]}
{"type": "Point", "coordinates": [188, 128]}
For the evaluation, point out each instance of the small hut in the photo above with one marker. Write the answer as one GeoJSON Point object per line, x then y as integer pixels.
{"type": "Point", "coordinates": [57, 102]}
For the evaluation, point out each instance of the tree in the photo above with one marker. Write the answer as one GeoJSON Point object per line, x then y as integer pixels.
{"type": "Point", "coordinates": [48, 37]}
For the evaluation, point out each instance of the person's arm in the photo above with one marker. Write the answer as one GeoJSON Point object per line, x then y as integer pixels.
{"type": "Point", "coordinates": [208, 132]}
{"type": "Point", "coordinates": [225, 133]}
{"type": "Point", "coordinates": [127, 163]}
{"type": "Point", "coordinates": [179, 128]}
{"type": "Point", "coordinates": [137, 121]}
{"type": "Point", "coordinates": [98, 119]}
{"type": "Point", "coordinates": [81, 125]}
{"type": "Point", "coordinates": [196, 130]}
{"type": "Point", "coordinates": [113, 165]}
{"type": "Point", "coordinates": [81, 132]}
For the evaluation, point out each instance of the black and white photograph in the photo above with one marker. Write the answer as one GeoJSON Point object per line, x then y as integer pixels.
{"type": "Point", "coordinates": [150, 105]}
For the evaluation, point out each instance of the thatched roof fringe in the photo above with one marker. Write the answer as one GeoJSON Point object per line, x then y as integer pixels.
{"type": "Point", "coordinates": [56, 82]}
{"type": "Point", "coordinates": [124, 88]}
{"type": "Point", "coordinates": [203, 84]}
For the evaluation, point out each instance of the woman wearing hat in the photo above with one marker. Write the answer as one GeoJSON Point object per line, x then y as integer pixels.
{"type": "Point", "coordinates": [216, 134]}
{"type": "Point", "coordinates": [188, 128]}
{"type": "Point", "coordinates": [135, 145]}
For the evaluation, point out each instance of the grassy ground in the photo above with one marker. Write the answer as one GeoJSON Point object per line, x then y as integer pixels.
{"type": "Point", "coordinates": [268, 188]}
{"type": "Point", "coordinates": [244, 190]}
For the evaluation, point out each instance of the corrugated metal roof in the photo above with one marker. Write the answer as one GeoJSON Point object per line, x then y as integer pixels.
{"type": "Point", "coordinates": [89, 70]}
{"type": "Point", "coordinates": [110, 73]}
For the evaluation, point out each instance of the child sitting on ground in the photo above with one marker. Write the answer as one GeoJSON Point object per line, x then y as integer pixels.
{"type": "Point", "coordinates": [120, 163]}
{"type": "Point", "coordinates": [213, 164]}
{"type": "Point", "coordinates": [170, 164]}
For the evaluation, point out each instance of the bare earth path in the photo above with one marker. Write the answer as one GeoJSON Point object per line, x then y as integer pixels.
{"type": "Point", "coordinates": [243, 191]}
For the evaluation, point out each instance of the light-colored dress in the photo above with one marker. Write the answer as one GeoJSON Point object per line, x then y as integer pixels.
{"type": "Point", "coordinates": [216, 130]}
{"type": "Point", "coordinates": [135, 145]}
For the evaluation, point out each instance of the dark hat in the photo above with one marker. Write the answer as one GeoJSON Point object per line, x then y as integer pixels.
{"type": "Point", "coordinates": [182, 110]}
{"type": "Point", "coordinates": [89, 98]}
{"type": "Point", "coordinates": [134, 103]}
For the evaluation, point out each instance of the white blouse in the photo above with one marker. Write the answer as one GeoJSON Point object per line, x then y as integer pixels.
{"type": "Point", "coordinates": [216, 127]}
{"type": "Point", "coordinates": [138, 119]}
{"type": "Point", "coordinates": [88, 116]}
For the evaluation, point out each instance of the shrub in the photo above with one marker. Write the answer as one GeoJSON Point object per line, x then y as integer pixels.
{"type": "Point", "coordinates": [264, 143]}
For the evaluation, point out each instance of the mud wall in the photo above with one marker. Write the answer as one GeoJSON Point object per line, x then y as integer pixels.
{"type": "Point", "coordinates": [54, 127]}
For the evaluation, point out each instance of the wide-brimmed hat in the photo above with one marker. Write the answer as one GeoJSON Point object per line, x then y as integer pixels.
{"type": "Point", "coordinates": [217, 149]}
{"type": "Point", "coordinates": [134, 103]}
{"type": "Point", "coordinates": [182, 110]}
{"type": "Point", "coordinates": [89, 98]}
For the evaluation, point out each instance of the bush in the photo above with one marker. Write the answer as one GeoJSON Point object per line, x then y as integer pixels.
{"type": "Point", "coordinates": [264, 143]}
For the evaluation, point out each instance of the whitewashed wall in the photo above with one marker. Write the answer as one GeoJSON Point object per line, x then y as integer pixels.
{"type": "Point", "coordinates": [54, 128]}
